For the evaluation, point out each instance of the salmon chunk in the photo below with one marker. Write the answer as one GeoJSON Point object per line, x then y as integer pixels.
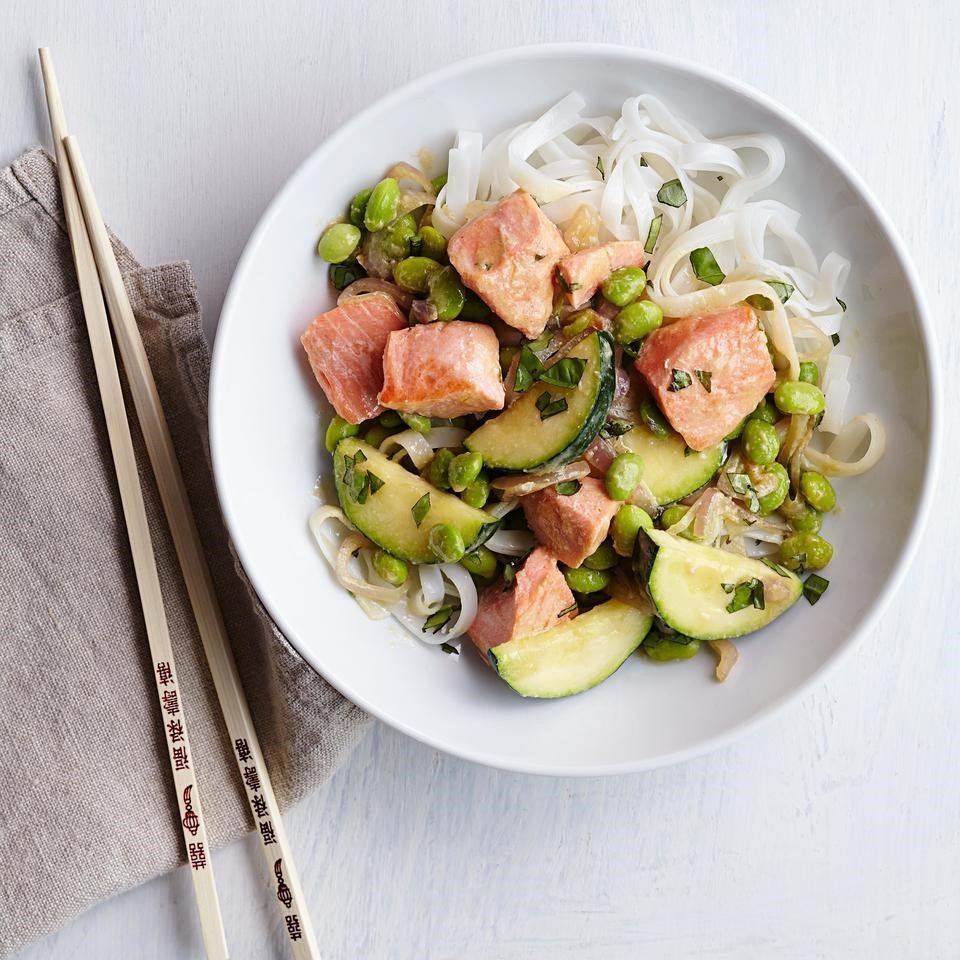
{"type": "Point", "coordinates": [536, 600]}
{"type": "Point", "coordinates": [345, 347]}
{"type": "Point", "coordinates": [707, 373]}
{"type": "Point", "coordinates": [442, 370]}
{"type": "Point", "coordinates": [571, 527]}
{"type": "Point", "coordinates": [583, 272]}
{"type": "Point", "coordinates": [507, 256]}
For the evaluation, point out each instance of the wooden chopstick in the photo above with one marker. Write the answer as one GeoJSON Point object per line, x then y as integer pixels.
{"type": "Point", "coordinates": [196, 574]}
{"type": "Point", "coordinates": [169, 692]}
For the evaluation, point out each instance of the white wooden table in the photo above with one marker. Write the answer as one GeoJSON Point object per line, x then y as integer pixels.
{"type": "Point", "coordinates": [832, 832]}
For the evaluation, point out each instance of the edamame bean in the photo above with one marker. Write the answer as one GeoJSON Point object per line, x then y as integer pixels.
{"type": "Point", "coordinates": [432, 243]}
{"type": "Point", "coordinates": [736, 431]}
{"type": "Point", "coordinates": [637, 320]}
{"type": "Point", "coordinates": [580, 321]}
{"type": "Point", "coordinates": [794, 396]}
{"type": "Point", "coordinates": [413, 274]}
{"type": "Point", "coordinates": [805, 551]}
{"type": "Point", "coordinates": [603, 558]}
{"type": "Point", "coordinates": [382, 204]}
{"type": "Point", "coordinates": [446, 543]}
{"type": "Point", "coordinates": [446, 293]}
{"type": "Point", "coordinates": [477, 493]}
{"type": "Point", "coordinates": [358, 205]}
{"type": "Point", "coordinates": [375, 435]}
{"type": "Point", "coordinates": [673, 515]}
{"type": "Point", "coordinates": [772, 499]}
{"type": "Point", "coordinates": [818, 491]}
{"type": "Point", "coordinates": [439, 468]}
{"type": "Point", "coordinates": [463, 470]}
{"type": "Point", "coordinates": [585, 580]}
{"type": "Point", "coordinates": [760, 442]}
{"type": "Point", "coordinates": [390, 419]}
{"type": "Point", "coordinates": [623, 475]}
{"type": "Point", "coordinates": [396, 239]}
{"type": "Point", "coordinates": [337, 429]}
{"type": "Point", "coordinates": [338, 242]}
{"type": "Point", "coordinates": [390, 568]}
{"type": "Point", "coordinates": [806, 520]}
{"type": "Point", "coordinates": [661, 648]}
{"type": "Point", "coordinates": [766, 411]}
{"type": "Point", "coordinates": [473, 307]}
{"type": "Point", "coordinates": [417, 422]}
{"type": "Point", "coordinates": [627, 524]}
{"type": "Point", "coordinates": [481, 563]}
{"type": "Point", "coordinates": [623, 286]}
{"type": "Point", "coordinates": [810, 373]}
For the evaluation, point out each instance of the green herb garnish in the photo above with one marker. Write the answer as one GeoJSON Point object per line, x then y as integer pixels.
{"type": "Point", "coordinates": [706, 379]}
{"type": "Point", "coordinates": [436, 621]}
{"type": "Point", "coordinates": [653, 234]}
{"type": "Point", "coordinates": [705, 266]}
{"type": "Point", "coordinates": [615, 427]}
{"type": "Point", "coordinates": [835, 338]}
{"type": "Point", "coordinates": [523, 380]}
{"type": "Point", "coordinates": [843, 306]}
{"type": "Point", "coordinates": [814, 588]}
{"type": "Point", "coordinates": [375, 482]}
{"type": "Point", "coordinates": [564, 373]}
{"type": "Point", "coordinates": [672, 194]}
{"type": "Point", "coordinates": [566, 610]}
{"type": "Point", "coordinates": [783, 290]}
{"type": "Point", "coordinates": [740, 482]}
{"type": "Point", "coordinates": [343, 274]}
{"type": "Point", "coordinates": [759, 302]}
{"type": "Point", "coordinates": [549, 406]}
{"type": "Point", "coordinates": [653, 419]}
{"type": "Point", "coordinates": [745, 594]}
{"type": "Point", "coordinates": [509, 574]}
{"type": "Point", "coordinates": [773, 565]}
{"type": "Point", "coordinates": [420, 509]}
{"type": "Point", "coordinates": [567, 488]}
{"type": "Point", "coordinates": [679, 380]}
{"type": "Point", "coordinates": [603, 173]}
{"type": "Point", "coordinates": [449, 648]}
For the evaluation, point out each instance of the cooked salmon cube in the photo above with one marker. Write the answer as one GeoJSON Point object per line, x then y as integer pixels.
{"type": "Point", "coordinates": [583, 272]}
{"type": "Point", "coordinates": [536, 600]}
{"type": "Point", "coordinates": [507, 256]}
{"type": "Point", "coordinates": [345, 347]}
{"type": "Point", "coordinates": [708, 372]}
{"type": "Point", "coordinates": [573, 526]}
{"type": "Point", "coordinates": [442, 370]}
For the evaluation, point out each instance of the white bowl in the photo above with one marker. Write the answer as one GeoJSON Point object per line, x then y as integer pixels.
{"type": "Point", "coordinates": [266, 415]}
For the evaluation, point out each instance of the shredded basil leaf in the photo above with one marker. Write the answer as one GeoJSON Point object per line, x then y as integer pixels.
{"type": "Point", "coordinates": [706, 379]}
{"type": "Point", "coordinates": [632, 350]}
{"type": "Point", "coordinates": [835, 338]}
{"type": "Point", "coordinates": [653, 419]}
{"type": "Point", "coordinates": [705, 266]}
{"type": "Point", "coordinates": [509, 574]}
{"type": "Point", "coordinates": [564, 373]}
{"type": "Point", "coordinates": [745, 594]}
{"type": "Point", "coordinates": [773, 565]}
{"type": "Point", "coordinates": [343, 274]}
{"type": "Point", "coordinates": [567, 488]}
{"type": "Point", "coordinates": [679, 380]}
{"type": "Point", "coordinates": [437, 620]}
{"type": "Point", "coordinates": [728, 587]}
{"type": "Point", "coordinates": [523, 381]}
{"type": "Point", "coordinates": [814, 588]}
{"type": "Point", "coordinates": [420, 509]}
{"type": "Point", "coordinates": [375, 482]}
{"type": "Point", "coordinates": [643, 161]}
{"type": "Point", "coordinates": [361, 487]}
{"type": "Point", "coordinates": [759, 302]}
{"type": "Point", "coordinates": [783, 290]}
{"type": "Point", "coordinates": [449, 648]}
{"type": "Point", "coordinates": [672, 194]}
{"type": "Point", "coordinates": [653, 234]}
{"type": "Point", "coordinates": [552, 409]}
{"type": "Point", "coordinates": [615, 427]}
{"type": "Point", "coordinates": [843, 306]}
{"type": "Point", "coordinates": [741, 484]}
{"type": "Point", "coordinates": [603, 174]}
{"type": "Point", "coordinates": [359, 457]}
{"type": "Point", "coordinates": [566, 610]}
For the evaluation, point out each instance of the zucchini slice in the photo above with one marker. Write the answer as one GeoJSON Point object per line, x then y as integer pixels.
{"type": "Point", "coordinates": [575, 655]}
{"type": "Point", "coordinates": [668, 469]}
{"type": "Point", "coordinates": [692, 586]}
{"type": "Point", "coordinates": [385, 514]}
{"type": "Point", "coordinates": [518, 439]}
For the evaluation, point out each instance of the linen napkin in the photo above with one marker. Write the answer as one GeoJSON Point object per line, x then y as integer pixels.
{"type": "Point", "coordinates": [88, 806]}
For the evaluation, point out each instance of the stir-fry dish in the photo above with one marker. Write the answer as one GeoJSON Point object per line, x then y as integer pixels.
{"type": "Point", "coordinates": [589, 396]}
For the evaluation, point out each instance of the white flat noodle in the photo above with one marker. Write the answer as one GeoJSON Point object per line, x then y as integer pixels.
{"type": "Point", "coordinates": [714, 157]}
{"type": "Point", "coordinates": [836, 396]}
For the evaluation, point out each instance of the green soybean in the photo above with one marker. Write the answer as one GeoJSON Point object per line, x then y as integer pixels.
{"type": "Point", "coordinates": [416, 421]}
{"type": "Point", "coordinates": [760, 442]}
{"type": "Point", "coordinates": [413, 273]}
{"type": "Point", "coordinates": [818, 491]}
{"type": "Point", "coordinates": [433, 244]}
{"type": "Point", "coordinates": [772, 499]}
{"type": "Point", "coordinates": [673, 515]}
{"type": "Point", "coordinates": [439, 468]}
{"type": "Point", "coordinates": [481, 563]}
{"type": "Point", "coordinates": [375, 435]}
{"type": "Point", "coordinates": [661, 648]}
{"type": "Point", "coordinates": [358, 205]}
{"type": "Point", "coordinates": [463, 470]}
{"type": "Point", "coordinates": [628, 521]}
{"type": "Point", "coordinates": [476, 494]}
{"type": "Point", "coordinates": [810, 373]}
{"type": "Point", "coordinates": [603, 558]}
{"type": "Point", "coordinates": [766, 411]}
{"type": "Point", "coordinates": [396, 239]}
{"type": "Point", "coordinates": [337, 429]}
{"type": "Point", "coordinates": [585, 580]}
{"type": "Point", "coordinates": [446, 543]}
{"type": "Point", "coordinates": [797, 397]}
{"type": "Point", "coordinates": [807, 520]}
{"type": "Point", "coordinates": [623, 286]}
{"type": "Point", "coordinates": [382, 204]}
{"type": "Point", "coordinates": [805, 551]}
{"type": "Point", "coordinates": [623, 475]}
{"type": "Point", "coordinates": [736, 431]}
{"type": "Point", "coordinates": [390, 568]}
{"type": "Point", "coordinates": [390, 419]}
{"type": "Point", "coordinates": [338, 242]}
{"type": "Point", "coordinates": [473, 307]}
{"type": "Point", "coordinates": [446, 293]}
{"type": "Point", "coordinates": [637, 320]}
{"type": "Point", "coordinates": [580, 321]}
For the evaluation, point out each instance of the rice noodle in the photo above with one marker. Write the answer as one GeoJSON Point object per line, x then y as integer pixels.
{"type": "Point", "coordinates": [520, 485]}
{"type": "Point", "coordinates": [405, 171]}
{"type": "Point", "coordinates": [502, 508]}
{"type": "Point", "coordinates": [446, 437]}
{"type": "Point", "coordinates": [426, 595]}
{"type": "Point", "coordinates": [511, 543]}
{"type": "Point", "coordinates": [835, 462]}
{"type": "Point", "coordinates": [415, 445]}
{"type": "Point", "coordinates": [466, 592]}
{"type": "Point", "coordinates": [357, 585]}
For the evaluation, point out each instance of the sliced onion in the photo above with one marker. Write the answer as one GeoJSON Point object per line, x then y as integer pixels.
{"type": "Point", "coordinates": [520, 485]}
{"type": "Point", "coordinates": [511, 543]}
{"type": "Point", "coordinates": [727, 656]}
{"type": "Point", "coordinates": [446, 437]}
{"type": "Point", "coordinates": [422, 311]}
{"type": "Point", "coordinates": [600, 454]}
{"type": "Point", "coordinates": [867, 428]}
{"type": "Point", "coordinates": [375, 285]}
{"type": "Point", "coordinates": [426, 595]}
{"type": "Point", "coordinates": [415, 444]}
{"type": "Point", "coordinates": [502, 508]}
{"type": "Point", "coordinates": [359, 586]}
{"type": "Point", "coordinates": [405, 171]}
{"type": "Point", "coordinates": [465, 589]}
{"type": "Point", "coordinates": [317, 519]}
{"type": "Point", "coordinates": [510, 381]}
{"type": "Point", "coordinates": [643, 498]}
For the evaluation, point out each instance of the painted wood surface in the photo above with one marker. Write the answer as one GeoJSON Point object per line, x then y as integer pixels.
{"type": "Point", "coordinates": [833, 831]}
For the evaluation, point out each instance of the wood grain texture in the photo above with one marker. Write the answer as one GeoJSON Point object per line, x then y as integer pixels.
{"type": "Point", "coordinates": [830, 832]}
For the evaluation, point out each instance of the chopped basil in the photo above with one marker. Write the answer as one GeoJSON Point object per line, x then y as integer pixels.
{"type": "Point", "coordinates": [706, 379]}
{"type": "Point", "coordinates": [420, 509]}
{"type": "Point", "coordinates": [759, 302]}
{"type": "Point", "coordinates": [523, 380]}
{"type": "Point", "coordinates": [550, 407]}
{"type": "Point", "coordinates": [564, 373]}
{"type": "Point", "coordinates": [361, 487]}
{"type": "Point", "coordinates": [509, 573]}
{"type": "Point", "coordinates": [783, 290]}
{"type": "Point", "coordinates": [745, 594]}
{"type": "Point", "coordinates": [603, 173]}
{"type": "Point", "coordinates": [530, 361]}
{"type": "Point", "coordinates": [773, 565]}
{"type": "Point", "coordinates": [615, 427]}
{"type": "Point", "coordinates": [672, 194]}
{"type": "Point", "coordinates": [653, 234]}
{"type": "Point", "coordinates": [566, 610]}
{"type": "Point", "coordinates": [375, 482]}
{"type": "Point", "coordinates": [835, 338]}
{"type": "Point", "coordinates": [359, 457]}
{"type": "Point", "coordinates": [436, 621]}
{"type": "Point", "coordinates": [705, 266]}
{"type": "Point", "coordinates": [632, 350]}
{"type": "Point", "coordinates": [653, 419]}
{"type": "Point", "coordinates": [343, 274]}
{"type": "Point", "coordinates": [741, 484]}
{"type": "Point", "coordinates": [679, 380]}
{"type": "Point", "coordinates": [688, 451]}
{"type": "Point", "coordinates": [567, 488]}
{"type": "Point", "coordinates": [814, 588]}
{"type": "Point", "coordinates": [537, 257]}
{"type": "Point", "coordinates": [449, 648]}
{"type": "Point", "coordinates": [567, 287]}
{"type": "Point", "coordinates": [643, 161]}
{"type": "Point", "coordinates": [843, 306]}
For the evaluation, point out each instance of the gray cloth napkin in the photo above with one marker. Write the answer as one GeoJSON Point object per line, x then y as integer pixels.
{"type": "Point", "coordinates": [88, 807]}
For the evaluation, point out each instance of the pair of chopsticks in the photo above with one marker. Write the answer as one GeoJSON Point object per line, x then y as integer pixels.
{"type": "Point", "coordinates": [99, 281]}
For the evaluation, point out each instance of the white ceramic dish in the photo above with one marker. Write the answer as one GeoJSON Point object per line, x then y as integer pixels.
{"type": "Point", "coordinates": [266, 414]}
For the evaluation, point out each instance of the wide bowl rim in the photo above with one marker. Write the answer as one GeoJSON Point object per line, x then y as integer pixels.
{"type": "Point", "coordinates": [714, 78]}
